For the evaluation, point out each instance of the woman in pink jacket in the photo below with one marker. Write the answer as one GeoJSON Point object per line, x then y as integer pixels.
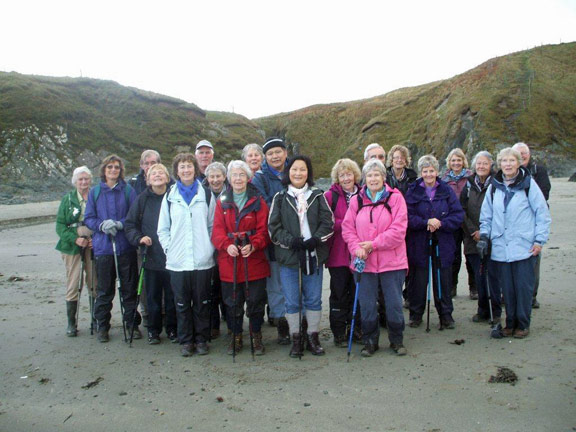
{"type": "Point", "coordinates": [374, 229]}
{"type": "Point", "coordinates": [345, 179]}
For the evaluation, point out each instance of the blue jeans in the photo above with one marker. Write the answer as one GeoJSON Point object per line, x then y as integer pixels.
{"type": "Point", "coordinates": [311, 289]}
{"type": "Point", "coordinates": [391, 283]}
{"type": "Point", "coordinates": [518, 286]}
{"type": "Point", "coordinates": [275, 292]}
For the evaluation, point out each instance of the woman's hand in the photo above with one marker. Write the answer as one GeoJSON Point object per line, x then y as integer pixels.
{"type": "Point", "coordinates": [81, 241]}
{"type": "Point", "coordinates": [146, 241]}
{"type": "Point", "coordinates": [367, 246]}
{"type": "Point", "coordinates": [232, 250]}
{"type": "Point", "coordinates": [434, 224]}
{"type": "Point", "coordinates": [247, 250]}
{"type": "Point", "coordinates": [476, 236]}
{"type": "Point", "coordinates": [361, 253]}
{"type": "Point", "coordinates": [536, 249]}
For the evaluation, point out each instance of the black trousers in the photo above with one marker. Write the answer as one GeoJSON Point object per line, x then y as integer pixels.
{"type": "Point", "coordinates": [158, 287]}
{"type": "Point", "coordinates": [192, 297]}
{"type": "Point", "coordinates": [215, 299]}
{"type": "Point", "coordinates": [255, 298]}
{"type": "Point", "coordinates": [417, 292]}
{"type": "Point", "coordinates": [342, 291]}
{"type": "Point", "coordinates": [128, 275]}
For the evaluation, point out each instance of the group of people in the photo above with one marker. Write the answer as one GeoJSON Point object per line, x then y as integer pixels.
{"type": "Point", "coordinates": [254, 237]}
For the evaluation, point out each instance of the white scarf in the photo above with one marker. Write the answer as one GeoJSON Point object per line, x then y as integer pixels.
{"type": "Point", "coordinates": [302, 208]}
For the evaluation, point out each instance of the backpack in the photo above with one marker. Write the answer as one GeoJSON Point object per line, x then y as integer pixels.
{"type": "Point", "coordinates": [97, 189]}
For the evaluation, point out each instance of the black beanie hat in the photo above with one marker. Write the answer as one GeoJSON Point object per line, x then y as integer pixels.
{"type": "Point", "coordinates": [273, 142]}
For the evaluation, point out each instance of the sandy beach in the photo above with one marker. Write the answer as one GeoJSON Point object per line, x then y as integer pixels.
{"type": "Point", "coordinates": [439, 386]}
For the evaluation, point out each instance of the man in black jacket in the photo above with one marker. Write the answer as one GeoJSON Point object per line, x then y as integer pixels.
{"type": "Point", "coordinates": [540, 175]}
{"type": "Point", "coordinates": [148, 158]}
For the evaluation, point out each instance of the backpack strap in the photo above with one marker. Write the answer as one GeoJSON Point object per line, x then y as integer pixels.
{"type": "Point", "coordinates": [374, 205]}
{"type": "Point", "coordinates": [335, 196]}
{"type": "Point", "coordinates": [97, 189]}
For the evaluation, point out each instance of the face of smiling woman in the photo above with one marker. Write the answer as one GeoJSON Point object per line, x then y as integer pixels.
{"type": "Point", "coordinates": [298, 174]}
{"type": "Point", "coordinates": [186, 173]}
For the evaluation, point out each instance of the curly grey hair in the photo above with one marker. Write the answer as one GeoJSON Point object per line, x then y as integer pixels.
{"type": "Point", "coordinates": [239, 164]}
{"type": "Point", "coordinates": [428, 161]}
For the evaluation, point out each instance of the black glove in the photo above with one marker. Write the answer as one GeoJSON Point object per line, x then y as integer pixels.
{"type": "Point", "coordinates": [297, 243]}
{"type": "Point", "coordinates": [312, 243]}
{"type": "Point", "coordinates": [482, 247]}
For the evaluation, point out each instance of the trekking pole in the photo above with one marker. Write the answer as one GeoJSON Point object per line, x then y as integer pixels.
{"type": "Point", "coordinates": [82, 267]}
{"type": "Point", "coordinates": [429, 291]}
{"type": "Point", "coordinates": [138, 293]}
{"type": "Point", "coordinates": [235, 301]}
{"type": "Point", "coordinates": [119, 286]}
{"type": "Point", "coordinates": [91, 296]}
{"type": "Point", "coordinates": [359, 265]}
{"type": "Point", "coordinates": [210, 314]}
{"type": "Point", "coordinates": [301, 343]}
{"type": "Point", "coordinates": [438, 272]}
{"type": "Point", "coordinates": [244, 240]}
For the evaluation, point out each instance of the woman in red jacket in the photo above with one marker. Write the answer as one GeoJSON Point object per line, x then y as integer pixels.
{"type": "Point", "coordinates": [240, 235]}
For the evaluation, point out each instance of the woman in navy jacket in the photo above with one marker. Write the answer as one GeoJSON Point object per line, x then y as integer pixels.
{"type": "Point", "coordinates": [434, 213]}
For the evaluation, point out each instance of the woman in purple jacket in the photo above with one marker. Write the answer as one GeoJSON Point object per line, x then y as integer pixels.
{"type": "Point", "coordinates": [434, 213]}
{"type": "Point", "coordinates": [106, 211]}
{"type": "Point", "coordinates": [345, 184]}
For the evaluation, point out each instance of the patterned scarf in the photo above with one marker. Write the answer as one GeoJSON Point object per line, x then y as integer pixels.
{"type": "Point", "coordinates": [301, 203]}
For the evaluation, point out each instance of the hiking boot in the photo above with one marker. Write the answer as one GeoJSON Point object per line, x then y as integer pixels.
{"type": "Point", "coordinates": [357, 335]}
{"type": "Point", "coordinates": [137, 332]}
{"type": "Point", "coordinates": [201, 348]}
{"type": "Point", "coordinates": [314, 344]}
{"type": "Point", "coordinates": [369, 350]}
{"type": "Point", "coordinates": [480, 319]}
{"type": "Point", "coordinates": [283, 331]}
{"type": "Point", "coordinates": [296, 351]}
{"type": "Point", "coordinates": [235, 344]}
{"type": "Point", "coordinates": [340, 341]}
{"type": "Point", "coordinates": [153, 338]}
{"type": "Point", "coordinates": [399, 349]}
{"type": "Point", "coordinates": [473, 295]}
{"type": "Point", "coordinates": [215, 333]}
{"type": "Point", "coordinates": [414, 322]}
{"type": "Point", "coordinates": [447, 323]}
{"type": "Point", "coordinates": [186, 350]}
{"type": "Point", "coordinates": [71, 309]}
{"type": "Point", "coordinates": [173, 336]}
{"type": "Point", "coordinates": [535, 304]}
{"type": "Point", "coordinates": [521, 334]}
{"type": "Point", "coordinates": [258, 345]}
{"type": "Point", "coordinates": [103, 335]}
{"type": "Point", "coordinates": [453, 291]}
{"type": "Point", "coordinates": [507, 331]}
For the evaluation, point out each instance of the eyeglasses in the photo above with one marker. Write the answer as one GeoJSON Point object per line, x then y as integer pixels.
{"type": "Point", "coordinates": [113, 167]}
{"type": "Point", "coordinates": [238, 175]}
{"type": "Point", "coordinates": [379, 156]}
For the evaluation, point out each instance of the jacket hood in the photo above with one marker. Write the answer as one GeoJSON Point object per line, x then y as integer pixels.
{"type": "Point", "coordinates": [417, 192]}
{"type": "Point", "coordinates": [522, 180]}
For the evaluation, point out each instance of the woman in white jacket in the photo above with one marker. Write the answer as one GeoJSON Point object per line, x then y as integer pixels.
{"type": "Point", "coordinates": [184, 230]}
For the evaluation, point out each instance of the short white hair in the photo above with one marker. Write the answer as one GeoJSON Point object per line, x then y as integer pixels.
{"type": "Point", "coordinates": [521, 145]}
{"type": "Point", "coordinates": [508, 151]}
{"type": "Point", "coordinates": [482, 153]}
{"type": "Point", "coordinates": [428, 161]}
{"type": "Point", "coordinates": [374, 165]}
{"type": "Point", "coordinates": [249, 147]}
{"type": "Point", "coordinates": [148, 153]}
{"type": "Point", "coordinates": [215, 166]}
{"type": "Point", "coordinates": [78, 171]}
{"type": "Point", "coordinates": [370, 147]}
{"type": "Point", "coordinates": [239, 164]}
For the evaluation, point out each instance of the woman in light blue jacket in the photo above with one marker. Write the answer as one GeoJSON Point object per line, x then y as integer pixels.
{"type": "Point", "coordinates": [515, 219]}
{"type": "Point", "coordinates": [184, 230]}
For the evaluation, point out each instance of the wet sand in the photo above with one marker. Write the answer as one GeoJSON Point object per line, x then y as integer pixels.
{"type": "Point", "coordinates": [439, 386]}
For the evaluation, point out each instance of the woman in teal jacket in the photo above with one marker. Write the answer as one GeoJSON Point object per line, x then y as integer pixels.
{"type": "Point", "coordinates": [75, 244]}
{"type": "Point", "coordinates": [515, 219]}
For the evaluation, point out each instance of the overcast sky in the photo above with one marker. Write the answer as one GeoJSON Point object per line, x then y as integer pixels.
{"type": "Point", "coordinates": [259, 58]}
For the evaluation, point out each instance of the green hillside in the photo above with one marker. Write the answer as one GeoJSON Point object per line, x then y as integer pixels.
{"type": "Point", "coordinates": [48, 126]}
{"type": "Point", "coordinates": [526, 96]}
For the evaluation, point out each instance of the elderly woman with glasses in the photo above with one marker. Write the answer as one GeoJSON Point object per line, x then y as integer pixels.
{"type": "Point", "coordinates": [240, 236]}
{"type": "Point", "coordinates": [434, 213]}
